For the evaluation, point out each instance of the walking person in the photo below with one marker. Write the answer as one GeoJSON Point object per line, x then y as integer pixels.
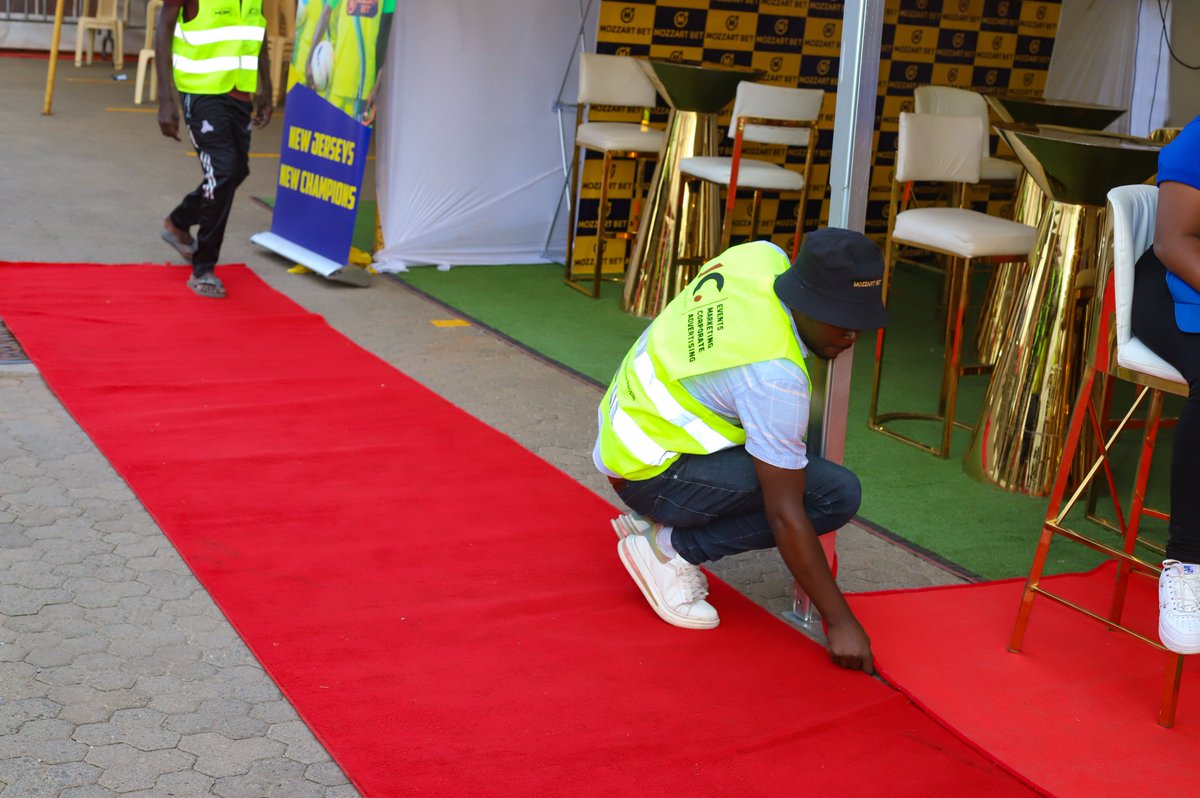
{"type": "Point", "coordinates": [215, 53]}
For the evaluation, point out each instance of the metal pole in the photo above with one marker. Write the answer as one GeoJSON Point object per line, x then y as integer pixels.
{"type": "Point", "coordinates": [849, 184]}
{"type": "Point", "coordinates": [58, 20]}
{"type": "Point", "coordinates": [850, 176]}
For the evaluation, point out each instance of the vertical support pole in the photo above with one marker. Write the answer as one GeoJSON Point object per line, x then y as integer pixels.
{"type": "Point", "coordinates": [53, 68]}
{"type": "Point", "coordinates": [849, 183]}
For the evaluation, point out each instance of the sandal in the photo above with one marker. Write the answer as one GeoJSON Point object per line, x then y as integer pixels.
{"type": "Point", "coordinates": [179, 240]}
{"type": "Point", "coordinates": [207, 285]}
{"type": "Point", "coordinates": [183, 249]}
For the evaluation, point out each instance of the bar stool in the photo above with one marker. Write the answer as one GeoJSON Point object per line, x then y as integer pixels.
{"type": "Point", "coordinates": [1132, 211]}
{"type": "Point", "coordinates": [951, 101]}
{"type": "Point", "coordinates": [762, 114]}
{"type": "Point", "coordinates": [1006, 277]}
{"type": "Point", "coordinates": [614, 80]}
{"type": "Point", "coordinates": [938, 148]}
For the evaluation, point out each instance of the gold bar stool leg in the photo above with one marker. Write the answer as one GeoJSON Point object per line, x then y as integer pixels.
{"type": "Point", "coordinates": [602, 224]}
{"type": "Point", "coordinates": [572, 211]}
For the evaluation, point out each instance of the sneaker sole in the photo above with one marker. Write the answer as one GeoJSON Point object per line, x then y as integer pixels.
{"type": "Point", "coordinates": [628, 559]}
{"type": "Point", "coordinates": [1172, 645]}
{"type": "Point", "coordinates": [623, 525]}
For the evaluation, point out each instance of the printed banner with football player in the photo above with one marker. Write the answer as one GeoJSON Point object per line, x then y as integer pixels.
{"type": "Point", "coordinates": [333, 76]}
{"type": "Point", "coordinates": [988, 46]}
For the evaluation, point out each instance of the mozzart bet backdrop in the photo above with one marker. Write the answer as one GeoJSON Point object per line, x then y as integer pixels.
{"type": "Point", "coordinates": [989, 46]}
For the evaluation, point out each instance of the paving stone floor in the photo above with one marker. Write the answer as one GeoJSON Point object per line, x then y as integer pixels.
{"type": "Point", "coordinates": [118, 674]}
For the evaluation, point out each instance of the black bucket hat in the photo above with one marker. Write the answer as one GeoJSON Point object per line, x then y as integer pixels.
{"type": "Point", "coordinates": [837, 278]}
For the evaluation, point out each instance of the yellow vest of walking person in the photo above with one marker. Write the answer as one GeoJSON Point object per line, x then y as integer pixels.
{"type": "Point", "coordinates": [217, 51]}
{"type": "Point", "coordinates": [728, 316]}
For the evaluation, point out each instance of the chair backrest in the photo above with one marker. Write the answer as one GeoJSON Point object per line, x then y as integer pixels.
{"type": "Point", "coordinates": [952, 101]}
{"type": "Point", "coordinates": [938, 148]}
{"type": "Point", "coordinates": [1132, 210]}
{"type": "Point", "coordinates": [153, 13]}
{"type": "Point", "coordinates": [105, 10]}
{"type": "Point", "coordinates": [614, 80]}
{"type": "Point", "coordinates": [776, 102]}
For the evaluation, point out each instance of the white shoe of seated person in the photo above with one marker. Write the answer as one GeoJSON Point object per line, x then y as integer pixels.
{"type": "Point", "coordinates": [675, 589]}
{"type": "Point", "coordinates": [1179, 607]}
{"type": "Point", "coordinates": [632, 523]}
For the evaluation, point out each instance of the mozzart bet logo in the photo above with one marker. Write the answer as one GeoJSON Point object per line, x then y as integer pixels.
{"type": "Point", "coordinates": [627, 14]}
{"type": "Point", "coordinates": [681, 19]}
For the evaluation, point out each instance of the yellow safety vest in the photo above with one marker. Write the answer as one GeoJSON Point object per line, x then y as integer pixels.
{"type": "Point", "coordinates": [217, 51]}
{"type": "Point", "coordinates": [728, 316]}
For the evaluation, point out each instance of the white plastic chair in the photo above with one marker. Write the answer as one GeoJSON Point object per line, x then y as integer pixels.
{"type": "Point", "coordinates": [1118, 354]}
{"type": "Point", "coordinates": [943, 149]}
{"type": "Point", "coordinates": [281, 37]}
{"type": "Point", "coordinates": [762, 114]}
{"type": "Point", "coordinates": [951, 101]}
{"type": "Point", "coordinates": [612, 80]}
{"type": "Point", "coordinates": [107, 17]}
{"type": "Point", "coordinates": [146, 55]}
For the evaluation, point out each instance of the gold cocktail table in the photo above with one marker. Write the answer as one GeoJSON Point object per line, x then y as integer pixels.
{"type": "Point", "coordinates": [1019, 437]}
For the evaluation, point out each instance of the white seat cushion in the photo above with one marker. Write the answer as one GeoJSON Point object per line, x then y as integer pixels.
{"type": "Point", "coordinates": [999, 169]}
{"type": "Point", "coordinates": [628, 136]}
{"type": "Point", "coordinates": [751, 173]}
{"type": "Point", "coordinates": [1136, 356]}
{"type": "Point", "coordinates": [966, 233]}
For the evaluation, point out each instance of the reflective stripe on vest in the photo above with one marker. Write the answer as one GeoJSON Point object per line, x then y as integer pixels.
{"type": "Point", "coordinates": [647, 418]}
{"type": "Point", "coordinates": [218, 51]}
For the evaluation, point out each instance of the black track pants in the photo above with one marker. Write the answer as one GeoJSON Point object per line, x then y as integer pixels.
{"type": "Point", "coordinates": [219, 127]}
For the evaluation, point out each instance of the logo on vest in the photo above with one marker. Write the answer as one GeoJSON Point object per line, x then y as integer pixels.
{"type": "Point", "coordinates": [718, 280]}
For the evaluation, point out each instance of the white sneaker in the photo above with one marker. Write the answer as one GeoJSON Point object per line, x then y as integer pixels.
{"type": "Point", "coordinates": [675, 589]}
{"type": "Point", "coordinates": [630, 523]}
{"type": "Point", "coordinates": [1179, 607]}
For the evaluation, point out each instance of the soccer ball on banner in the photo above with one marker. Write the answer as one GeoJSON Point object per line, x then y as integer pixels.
{"type": "Point", "coordinates": [322, 65]}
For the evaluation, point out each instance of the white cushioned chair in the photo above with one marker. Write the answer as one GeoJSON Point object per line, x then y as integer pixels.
{"type": "Point", "coordinates": [1118, 354]}
{"type": "Point", "coordinates": [951, 101]}
{"type": "Point", "coordinates": [942, 149]}
{"type": "Point", "coordinates": [762, 114]}
{"type": "Point", "coordinates": [611, 80]}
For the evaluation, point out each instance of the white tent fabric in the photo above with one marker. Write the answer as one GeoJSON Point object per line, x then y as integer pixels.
{"type": "Point", "coordinates": [1108, 52]}
{"type": "Point", "coordinates": [470, 157]}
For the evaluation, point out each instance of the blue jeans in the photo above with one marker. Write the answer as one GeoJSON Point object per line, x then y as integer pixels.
{"type": "Point", "coordinates": [715, 504]}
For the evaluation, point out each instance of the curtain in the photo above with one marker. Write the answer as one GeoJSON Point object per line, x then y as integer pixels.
{"type": "Point", "coordinates": [470, 165]}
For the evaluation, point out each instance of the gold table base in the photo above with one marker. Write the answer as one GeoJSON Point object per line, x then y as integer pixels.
{"type": "Point", "coordinates": [1019, 438]}
{"type": "Point", "coordinates": [669, 238]}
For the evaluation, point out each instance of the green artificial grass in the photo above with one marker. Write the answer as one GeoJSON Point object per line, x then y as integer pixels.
{"type": "Point", "coordinates": [923, 499]}
{"type": "Point", "coordinates": [532, 305]}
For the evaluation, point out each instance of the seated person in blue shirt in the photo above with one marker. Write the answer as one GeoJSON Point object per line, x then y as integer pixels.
{"type": "Point", "coordinates": [702, 432]}
{"type": "Point", "coordinates": [1166, 316]}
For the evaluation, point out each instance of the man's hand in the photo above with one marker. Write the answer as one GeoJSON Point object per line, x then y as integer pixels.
{"type": "Point", "coordinates": [262, 107]}
{"type": "Point", "coordinates": [168, 118]}
{"type": "Point", "coordinates": [783, 500]}
{"type": "Point", "coordinates": [849, 646]}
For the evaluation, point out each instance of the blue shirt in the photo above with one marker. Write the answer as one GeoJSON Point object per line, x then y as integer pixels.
{"type": "Point", "coordinates": [1179, 161]}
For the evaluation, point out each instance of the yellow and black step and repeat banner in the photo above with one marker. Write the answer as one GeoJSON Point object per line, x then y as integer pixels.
{"type": "Point", "coordinates": [989, 46]}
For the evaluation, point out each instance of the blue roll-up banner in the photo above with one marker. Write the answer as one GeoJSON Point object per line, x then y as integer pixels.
{"type": "Point", "coordinates": [322, 161]}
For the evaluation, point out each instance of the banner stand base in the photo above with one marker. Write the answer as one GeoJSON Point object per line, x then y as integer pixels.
{"type": "Point", "coordinates": [332, 270]}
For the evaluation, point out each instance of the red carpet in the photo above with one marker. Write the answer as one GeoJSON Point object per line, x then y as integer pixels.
{"type": "Point", "coordinates": [444, 609]}
{"type": "Point", "coordinates": [1075, 712]}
